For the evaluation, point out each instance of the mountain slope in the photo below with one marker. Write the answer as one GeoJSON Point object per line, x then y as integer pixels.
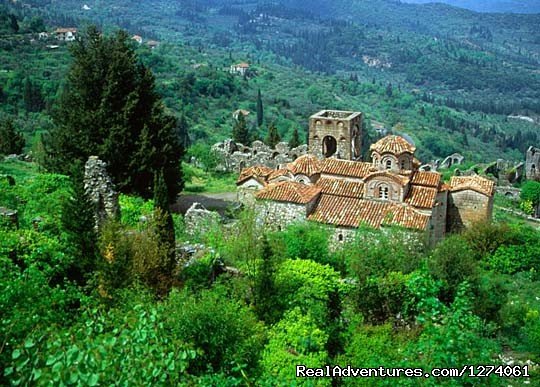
{"type": "Point", "coordinates": [513, 6]}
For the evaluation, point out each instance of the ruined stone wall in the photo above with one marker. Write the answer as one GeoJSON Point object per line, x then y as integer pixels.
{"type": "Point", "coordinates": [438, 218]}
{"type": "Point", "coordinates": [278, 215]}
{"type": "Point", "coordinates": [100, 190]}
{"type": "Point", "coordinates": [467, 207]}
{"type": "Point", "coordinates": [247, 191]}
{"type": "Point", "coordinates": [233, 157]}
{"type": "Point", "coordinates": [532, 164]}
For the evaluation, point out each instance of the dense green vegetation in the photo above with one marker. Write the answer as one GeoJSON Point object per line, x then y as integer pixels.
{"type": "Point", "coordinates": [384, 299]}
{"type": "Point", "coordinates": [116, 306]}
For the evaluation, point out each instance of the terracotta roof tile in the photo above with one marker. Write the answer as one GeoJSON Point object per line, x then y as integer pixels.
{"type": "Point", "coordinates": [422, 197]}
{"type": "Point", "coordinates": [340, 187]}
{"type": "Point", "coordinates": [259, 171]}
{"type": "Point", "coordinates": [288, 191]}
{"type": "Point", "coordinates": [403, 180]}
{"type": "Point", "coordinates": [393, 144]}
{"type": "Point", "coordinates": [351, 212]}
{"type": "Point", "coordinates": [347, 168]}
{"type": "Point", "coordinates": [475, 183]}
{"type": "Point", "coordinates": [426, 178]}
{"type": "Point", "coordinates": [278, 173]}
{"type": "Point", "coordinates": [308, 165]}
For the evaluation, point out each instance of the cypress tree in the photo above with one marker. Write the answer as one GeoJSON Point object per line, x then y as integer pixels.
{"type": "Point", "coordinates": [109, 108]}
{"type": "Point", "coordinates": [260, 113]}
{"type": "Point", "coordinates": [165, 224]}
{"type": "Point", "coordinates": [295, 139]}
{"type": "Point", "coordinates": [10, 140]}
{"type": "Point", "coordinates": [78, 222]}
{"type": "Point", "coordinates": [240, 130]}
{"type": "Point", "coordinates": [265, 291]}
{"type": "Point", "coordinates": [273, 136]}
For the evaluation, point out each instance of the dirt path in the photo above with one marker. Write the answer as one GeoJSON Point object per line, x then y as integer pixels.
{"type": "Point", "coordinates": [212, 201]}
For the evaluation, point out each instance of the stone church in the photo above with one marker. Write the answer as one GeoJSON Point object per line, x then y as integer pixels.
{"type": "Point", "coordinates": [330, 185]}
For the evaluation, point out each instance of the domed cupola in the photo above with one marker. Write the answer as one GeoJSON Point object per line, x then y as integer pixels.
{"type": "Point", "coordinates": [393, 153]}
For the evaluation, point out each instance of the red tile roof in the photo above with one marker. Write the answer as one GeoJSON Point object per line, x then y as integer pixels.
{"type": "Point", "coordinates": [308, 165]}
{"type": "Point", "coordinates": [426, 178]}
{"type": "Point", "coordinates": [403, 180]}
{"type": "Point", "coordinates": [278, 173]}
{"type": "Point", "coordinates": [340, 187]}
{"type": "Point", "coordinates": [259, 171]}
{"type": "Point", "coordinates": [393, 144]}
{"type": "Point", "coordinates": [351, 212]}
{"type": "Point", "coordinates": [346, 168]}
{"type": "Point", "coordinates": [422, 197]}
{"type": "Point", "coordinates": [288, 191]}
{"type": "Point", "coordinates": [475, 183]}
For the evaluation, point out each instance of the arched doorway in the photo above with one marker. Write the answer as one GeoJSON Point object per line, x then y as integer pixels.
{"type": "Point", "coordinates": [329, 146]}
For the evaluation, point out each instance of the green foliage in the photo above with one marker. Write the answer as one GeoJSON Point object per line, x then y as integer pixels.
{"type": "Point", "coordinates": [532, 332]}
{"type": "Point", "coordinates": [296, 339]}
{"type": "Point", "coordinates": [307, 240]}
{"type": "Point", "coordinates": [273, 136]}
{"type": "Point", "coordinates": [225, 333]}
{"type": "Point", "coordinates": [133, 208]}
{"type": "Point", "coordinates": [204, 155]}
{"type": "Point", "coordinates": [240, 131]}
{"type": "Point", "coordinates": [310, 286]}
{"type": "Point", "coordinates": [11, 142]}
{"type": "Point", "coordinates": [531, 192]}
{"type": "Point", "coordinates": [265, 289]}
{"type": "Point", "coordinates": [453, 262]}
{"type": "Point", "coordinates": [105, 348]}
{"type": "Point", "coordinates": [295, 139]}
{"type": "Point", "coordinates": [260, 112]}
{"type": "Point", "coordinates": [110, 106]}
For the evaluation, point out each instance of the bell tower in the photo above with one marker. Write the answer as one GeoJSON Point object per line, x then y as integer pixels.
{"type": "Point", "coordinates": [334, 133]}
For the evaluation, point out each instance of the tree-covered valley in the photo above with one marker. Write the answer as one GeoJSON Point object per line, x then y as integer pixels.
{"type": "Point", "coordinates": [139, 298]}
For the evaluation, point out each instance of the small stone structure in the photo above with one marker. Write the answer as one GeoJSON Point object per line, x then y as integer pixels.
{"type": "Point", "coordinates": [101, 191]}
{"type": "Point", "coordinates": [199, 220]}
{"type": "Point", "coordinates": [334, 133]}
{"type": "Point", "coordinates": [532, 163]}
{"type": "Point", "coordinates": [453, 159]}
{"type": "Point", "coordinates": [9, 217]}
{"type": "Point", "coordinates": [233, 157]}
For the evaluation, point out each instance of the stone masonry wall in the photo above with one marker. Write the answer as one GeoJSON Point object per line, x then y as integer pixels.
{"type": "Point", "coordinates": [278, 215]}
{"type": "Point", "coordinates": [100, 189]}
{"type": "Point", "coordinates": [467, 207]}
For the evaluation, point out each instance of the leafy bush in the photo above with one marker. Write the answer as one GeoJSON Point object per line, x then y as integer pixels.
{"type": "Point", "coordinates": [133, 208]}
{"type": "Point", "coordinates": [225, 332]}
{"type": "Point", "coordinates": [307, 240]}
{"type": "Point", "coordinates": [103, 349]}
{"type": "Point", "coordinates": [296, 339]}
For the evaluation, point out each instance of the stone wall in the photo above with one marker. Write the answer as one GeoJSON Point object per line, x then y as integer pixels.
{"type": "Point", "coordinates": [198, 220]}
{"type": "Point", "coordinates": [437, 230]}
{"type": "Point", "coordinates": [100, 190]}
{"type": "Point", "coordinates": [532, 164]}
{"type": "Point", "coordinates": [278, 215]}
{"type": "Point", "coordinates": [233, 157]}
{"type": "Point", "coordinates": [467, 207]}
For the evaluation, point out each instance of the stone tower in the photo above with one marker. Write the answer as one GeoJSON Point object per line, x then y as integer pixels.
{"type": "Point", "coordinates": [337, 134]}
{"type": "Point", "coordinates": [100, 190]}
{"type": "Point", "coordinates": [532, 164]}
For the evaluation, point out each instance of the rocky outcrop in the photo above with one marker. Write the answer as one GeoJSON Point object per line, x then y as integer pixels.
{"type": "Point", "coordinates": [233, 157]}
{"type": "Point", "coordinates": [100, 190]}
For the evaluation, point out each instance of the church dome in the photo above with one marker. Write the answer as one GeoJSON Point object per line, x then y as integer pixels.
{"type": "Point", "coordinates": [393, 144]}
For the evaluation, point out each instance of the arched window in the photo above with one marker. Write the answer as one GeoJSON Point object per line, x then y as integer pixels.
{"type": "Point", "coordinates": [340, 237]}
{"type": "Point", "coordinates": [388, 164]}
{"type": "Point", "coordinates": [383, 192]}
{"type": "Point", "coordinates": [403, 164]}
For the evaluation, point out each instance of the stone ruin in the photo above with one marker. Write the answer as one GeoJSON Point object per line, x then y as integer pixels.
{"type": "Point", "coordinates": [100, 190]}
{"type": "Point", "coordinates": [434, 165]}
{"type": "Point", "coordinates": [532, 163]}
{"type": "Point", "coordinates": [233, 157]}
{"type": "Point", "coordinates": [198, 220]}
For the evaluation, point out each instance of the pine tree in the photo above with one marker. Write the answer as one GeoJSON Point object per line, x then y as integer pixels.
{"type": "Point", "coordinates": [109, 108]}
{"type": "Point", "coordinates": [78, 222]}
{"type": "Point", "coordinates": [273, 136]}
{"type": "Point", "coordinates": [11, 142]}
{"type": "Point", "coordinates": [260, 112]}
{"type": "Point", "coordinates": [165, 224]}
{"type": "Point", "coordinates": [295, 139]}
{"type": "Point", "coordinates": [240, 130]}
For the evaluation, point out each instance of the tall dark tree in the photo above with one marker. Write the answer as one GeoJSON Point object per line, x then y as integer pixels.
{"type": "Point", "coordinates": [265, 290]}
{"type": "Point", "coordinates": [295, 139]}
{"type": "Point", "coordinates": [110, 108]}
{"type": "Point", "coordinates": [10, 140]}
{"type": "Point", "coordinates": [78, 222]}
{"type": "Point", "coordinates": [260, 112]}
{"type": "Point", "coordinates": [32, 97]}
{"type": "Point", "coordinates": [273, 136]}
{"type": "Point", "coordinates": [165, 224]}
{"type": "Point", "coordinates": [240, 130]}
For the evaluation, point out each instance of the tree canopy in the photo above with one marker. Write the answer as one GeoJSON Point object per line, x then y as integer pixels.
{"type": "Point", "coordinates": [109, 108]}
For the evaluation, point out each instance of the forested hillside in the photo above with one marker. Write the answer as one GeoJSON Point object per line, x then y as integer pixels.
{"type": "Point", "coordinates": [514, 6]}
